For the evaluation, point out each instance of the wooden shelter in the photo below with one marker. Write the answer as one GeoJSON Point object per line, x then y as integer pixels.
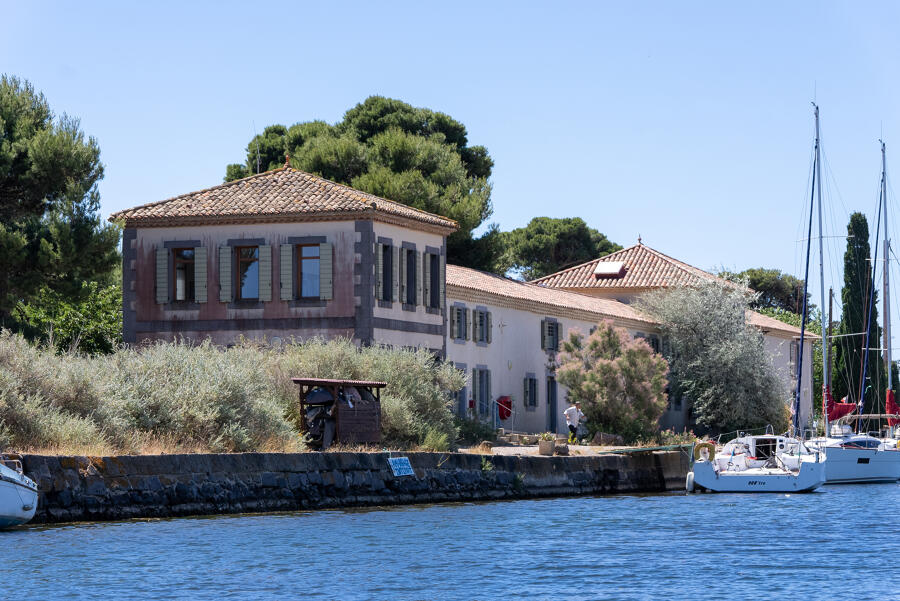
{"type": "Point", "coordinates": [346, 411]}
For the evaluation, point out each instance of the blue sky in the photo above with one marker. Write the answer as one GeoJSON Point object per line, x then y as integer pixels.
{"type": "Point", "coordinates": [688, 123]}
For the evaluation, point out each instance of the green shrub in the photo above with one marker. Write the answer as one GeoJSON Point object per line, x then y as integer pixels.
{"type": "Point", "coordinates": [435, 441]}
{"type": "Point", "coordinates": [473, 431]}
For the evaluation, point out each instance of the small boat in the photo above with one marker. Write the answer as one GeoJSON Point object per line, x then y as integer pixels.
{"type": "Point", "coordinates": [760, 463]}
{"type": "Point", "coordinates": [18, 494]}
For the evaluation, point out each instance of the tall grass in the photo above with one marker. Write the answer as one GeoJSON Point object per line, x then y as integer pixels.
{"type": "Point", "coordinates": [184, 397]}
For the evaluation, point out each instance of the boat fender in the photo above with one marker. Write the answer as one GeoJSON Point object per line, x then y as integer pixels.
{"type": "Point", "coordinates": [689, 482]}
{"type": "Point", "coordinates": [705, 451]}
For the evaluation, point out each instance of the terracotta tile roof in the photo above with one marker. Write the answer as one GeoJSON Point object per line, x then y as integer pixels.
{"type": "Point", "coordinates": [770, 324]}
{"type": "Point", "coordinates": [644, 268]}
{"type": "Point", "coordinates": [527, 296]}
{"type": "Point", "coordinates": [284, 194]}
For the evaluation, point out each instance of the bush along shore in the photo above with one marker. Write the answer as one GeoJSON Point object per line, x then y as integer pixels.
{"type": "Point", "coordinates": [185, 398]}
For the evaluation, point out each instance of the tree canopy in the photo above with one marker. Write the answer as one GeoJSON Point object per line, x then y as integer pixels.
{"type": "Point", "coordinates": [777, 290]}
{"type": "Point", "coordinates": [848, 356]}
{"type": "Point", "coordinates": [547, 245]}
{"type": "Point", "coordinates": [389, 148]}
{"type": "Point", "coordinates": [718, 362]}
{"type": "Point", "coordinates": [51, 234]}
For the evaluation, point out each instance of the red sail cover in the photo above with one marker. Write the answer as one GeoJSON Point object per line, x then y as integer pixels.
{"type": "Point", "coordinates": [836, 410]}
{"type": "Point", "coordinates": [892, 408]}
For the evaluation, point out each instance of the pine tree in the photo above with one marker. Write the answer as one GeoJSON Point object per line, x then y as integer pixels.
{"type": "Point", "coordinates": [848, 363]}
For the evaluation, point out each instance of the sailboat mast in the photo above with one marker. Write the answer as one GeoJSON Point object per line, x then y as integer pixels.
{"type": "Point", "coordinates": [887, 292]}
{"type": "Point", "coordinates": [825, 349]}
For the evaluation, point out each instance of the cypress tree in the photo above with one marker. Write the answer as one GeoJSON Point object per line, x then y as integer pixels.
{"type": "Point", "coordinates": [848, 360]}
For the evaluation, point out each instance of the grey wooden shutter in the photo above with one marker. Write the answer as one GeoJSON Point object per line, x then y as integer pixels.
{"type": "Point", "coordinates": [225, 271]}
{"type": "Point", "coordinates": [420, 288]}
{"type": "Point", "coordinates": [326, 271]}
{"type": "Point", "coordinates": [489, 398]}
{"type": "Point", "coordinates": [487, 326]}
{"type": "Point", "coordinates": [426, 279]}
{"type": "Point", "coordinates": [395, 274]}
{"type": "Point", "coordinates": [403, 268]}
{"type": "Point", "coordinates": [453, 322]}
{"type": "Point", "coordinates": [379, 271]}
{"type": "Point", "coordinates": [544, 334]}
{"type": "Point", "coordinates": [265, 273]}
{"type": "Point", "coordinates": [476, 390]}
{"type": "Point", "coordinates": [442, 281]}
{"type": "Point", "coordinates": [201, 258]}
{"type": "Point", "coordinates": [526, 396]}
{"type": "Point", "coordinates": [286, 271]}
{"type": "Point", "coordinates": [162, 276]}
{"type": "Point", "coordinates": [466, 323]}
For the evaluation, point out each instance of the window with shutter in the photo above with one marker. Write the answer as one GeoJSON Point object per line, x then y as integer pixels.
{"type": "Point", "coordinates": [426, 280]}
{"type": "Point", "coordinates": [379, 272]}
{"type": "Point", "coordinates": [183, 260]}
{"type": "Point", "coordinates": [488, 326]}
{"type": "Point", "coordinates": [309, 271]}
{"type": "Point", "coordinates": [403, 280]}
{"type": "Point", "coordinates": [420, 288]}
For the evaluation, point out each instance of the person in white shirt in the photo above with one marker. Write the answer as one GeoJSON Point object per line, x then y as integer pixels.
{"type": "Point", "coordinates": [573, 418]}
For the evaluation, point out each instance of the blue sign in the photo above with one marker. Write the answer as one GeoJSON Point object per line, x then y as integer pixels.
{"type": "Point", "coordinates": [400, 466]}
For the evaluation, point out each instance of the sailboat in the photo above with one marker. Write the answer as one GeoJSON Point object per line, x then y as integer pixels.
{"type": "Point", "coordinates": [854, 456]}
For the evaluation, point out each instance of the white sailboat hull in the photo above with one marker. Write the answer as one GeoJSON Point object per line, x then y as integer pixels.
{"type": "Point", "coordinates": [17, 503]}
{"type": "Point", "coordinates": [809, 477]}
{"type": "Point", "coordinates": [852, 466]}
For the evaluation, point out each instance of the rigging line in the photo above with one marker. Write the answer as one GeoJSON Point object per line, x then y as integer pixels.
{"type": "Point", "coordinates": [862, 382]}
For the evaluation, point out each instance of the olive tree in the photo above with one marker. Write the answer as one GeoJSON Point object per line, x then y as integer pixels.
{"type": "Point", "coordinates": [619, 381]}
{"type": "Point", "coordinates": [718, 361]}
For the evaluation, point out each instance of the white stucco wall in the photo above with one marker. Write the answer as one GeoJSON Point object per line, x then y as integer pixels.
{"type": "Point", "coordinates": [515, 352]}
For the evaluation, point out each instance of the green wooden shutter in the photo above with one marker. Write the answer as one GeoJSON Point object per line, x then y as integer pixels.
{"type": "Point", "coordinates": [395, 274]}
{"type": "Point", "coordinates": [487, 326]}
{"type": "Point", "coordinates": [265, 273]}
{"type": "Point", "coordinates": [201, 257]}
{"type": "Point", "coordinates": [326, 271]}
{"type": "Point", "coordinates": [442, 281]}
{"type": "Point", "coordinates": [426, 279]}
{"type": "Point", "coordinates": [286, 271]}
{"type": "Point", "coordinates": [225, 271]}
{"type": "Point", "coordinates": [379, 271]}
{"type": "Point", "coordinates": [162, 276]}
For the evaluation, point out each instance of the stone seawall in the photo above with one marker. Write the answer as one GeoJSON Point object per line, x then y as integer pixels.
{"type": "Point", "coordinates": [122, 487]}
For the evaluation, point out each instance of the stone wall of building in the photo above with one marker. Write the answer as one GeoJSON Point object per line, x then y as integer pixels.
{"type": "Point", "coordinates": [114, 488]}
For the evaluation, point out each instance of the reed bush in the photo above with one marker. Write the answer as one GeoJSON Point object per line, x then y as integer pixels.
{"type": "Point", "coordinates": [185, 397]}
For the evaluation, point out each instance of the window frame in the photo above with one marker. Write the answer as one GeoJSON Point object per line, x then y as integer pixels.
{"type": "Point", "coordinates": [239, 284]}
{"type": "Point", "coordinates": [387, 273]}
{"type": "Point", "coordinates": [300, 259]}
{"type": "Point", "coordinates": [189, 290]}
{"type": "Point", "coordinates": [434, 265]}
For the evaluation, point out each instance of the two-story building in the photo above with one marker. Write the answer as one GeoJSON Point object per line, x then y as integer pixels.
{"type": "Point", "coordinates": [284, 254]}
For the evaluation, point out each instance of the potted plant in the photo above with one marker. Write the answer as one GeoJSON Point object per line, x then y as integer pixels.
{"type": "Point", "coordinates": [546, 443]}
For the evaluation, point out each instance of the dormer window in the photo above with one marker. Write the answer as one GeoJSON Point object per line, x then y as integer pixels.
{"type": "Point", "coordinates": [609, 269]}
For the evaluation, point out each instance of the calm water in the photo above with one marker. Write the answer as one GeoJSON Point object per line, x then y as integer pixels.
{"type": "Point", "coordinates": [838, 543]}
